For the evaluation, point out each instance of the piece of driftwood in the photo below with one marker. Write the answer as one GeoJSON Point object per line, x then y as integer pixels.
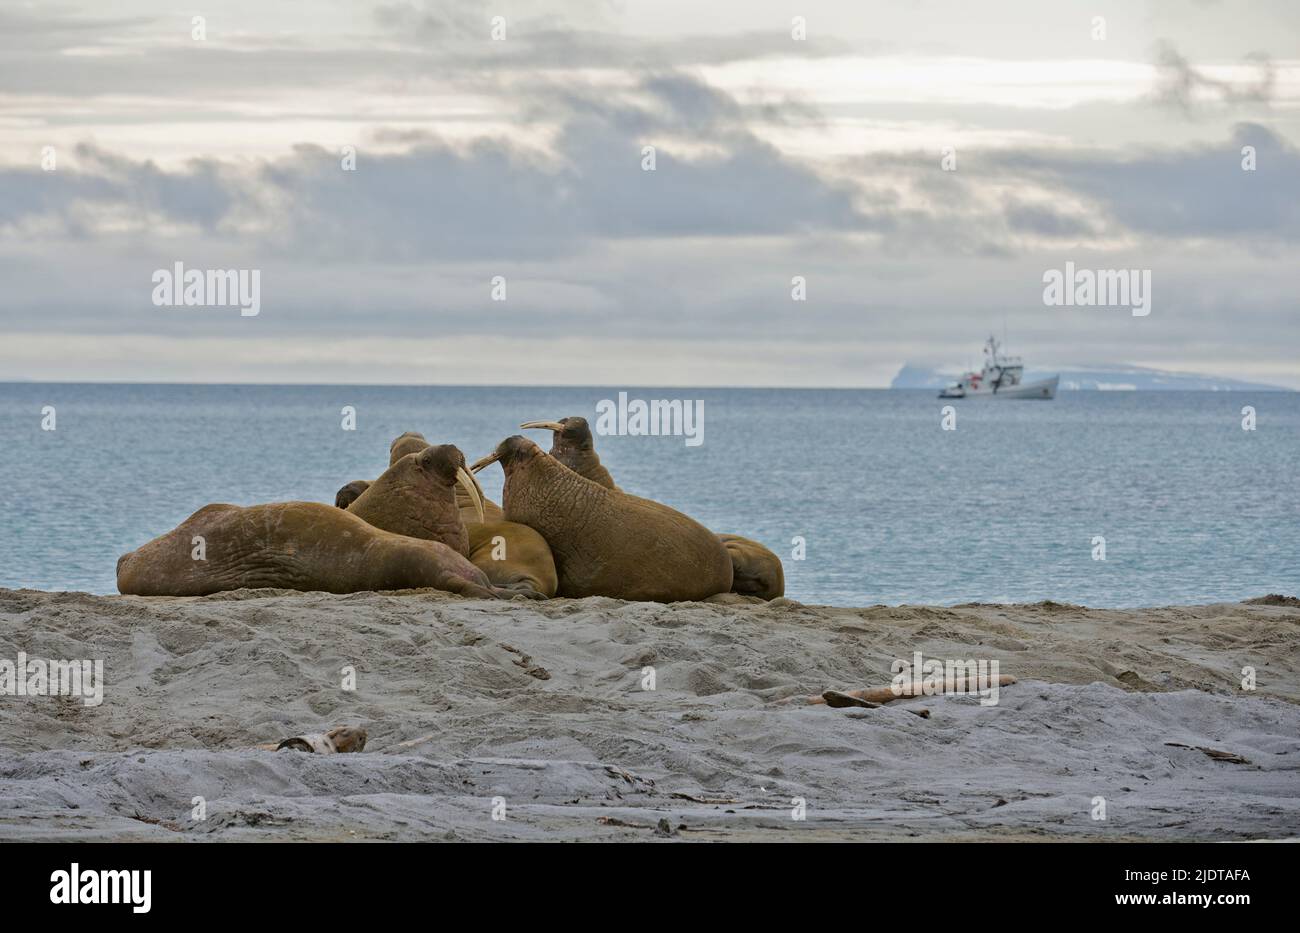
{"type": "Point", "coordinates": [1215, 753]}
{"type": "Point", "coordinates": [838, 700]}
{"type": "Point", "coordinates": [880, 695]}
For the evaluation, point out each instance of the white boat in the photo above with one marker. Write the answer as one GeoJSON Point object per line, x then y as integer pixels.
{"type": "Point", "coordinates": [1001, 377]}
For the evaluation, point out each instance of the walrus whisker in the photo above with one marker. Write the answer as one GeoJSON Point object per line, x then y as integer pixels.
{"type": "Point", "coordinates": [467, 483]}
{"type": "Point", "coordinates": [547, 425]}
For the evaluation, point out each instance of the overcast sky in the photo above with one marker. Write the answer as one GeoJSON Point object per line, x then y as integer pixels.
{"type": "Point", "coordinates": [522, 158]}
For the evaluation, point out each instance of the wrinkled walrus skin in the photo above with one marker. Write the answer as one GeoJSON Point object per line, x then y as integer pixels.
{"type": "Point", "coordinates": [755, 570]}
{"type": "Point", "coordinates": [293, 545]}
{"type": "Point", "coordinates": [606, 542]}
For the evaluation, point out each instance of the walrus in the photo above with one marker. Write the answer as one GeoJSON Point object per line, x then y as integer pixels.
{"type": "Point", "coordinates": [509, 554]}
{"type": "Point", "coordinates": [349, 493]}
{"type": "Point", "coordinates": [297, 546]}
{"type": "Point", "coordinates": [412, 442]}
{"type": "Point", "coordinates": [415, 497]}
{"type": "Point", "coordinates": [604, 541]}
{"type": "Point", "coordinates": [513, 555]}
{"type": "Point", "coordinates": [755, 570]}
{"type": "Point", "coordinates": [572, 445]}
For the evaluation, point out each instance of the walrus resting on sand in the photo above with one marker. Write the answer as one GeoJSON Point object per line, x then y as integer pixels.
{"type": "Point", "coordinates": [755, 570]}
{"type": "Point", "coordinates": [509, 554]}
{"type": "Point", "coordinates": [416, 497]}
{"type": "Point", "coordinates": [296, 546]}
{"type": "Point", "coordinates": [606, 542]}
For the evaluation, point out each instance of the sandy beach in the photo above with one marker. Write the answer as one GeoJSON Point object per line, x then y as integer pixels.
{"type": "Point", "coordinates": [540, 707]}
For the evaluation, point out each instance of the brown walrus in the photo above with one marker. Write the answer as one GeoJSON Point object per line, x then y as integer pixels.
{"type": "Point", "coordinates": [572, 445]}
{"type": "Point", "coordinates": [349, 493]}
{"type": "Point", "coordinates": [606, 542]}
{"type": "Point", "coordinates": [297, 546]}
{"type": "Point", "coordinates": [509, 554]}
{"type": "Point", "coordinates": [412, 442]}
{"type": "Point", "coordinates": [416, 497]}
{"type": "Point", "coordinates": [513, 555]}
{"type": "Point", "coordinates": [755, 570]}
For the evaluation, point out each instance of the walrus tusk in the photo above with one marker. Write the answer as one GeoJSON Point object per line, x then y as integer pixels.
{"type": "Point", "coordinates": [548, 425]}
{"type": "Point", "coordinates": [471, 489]}
{"type": "Point", "coordinates": [485, 461]}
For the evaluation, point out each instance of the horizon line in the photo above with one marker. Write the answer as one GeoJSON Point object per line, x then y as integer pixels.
{"type": "Point", "coordinates": [592, 385]}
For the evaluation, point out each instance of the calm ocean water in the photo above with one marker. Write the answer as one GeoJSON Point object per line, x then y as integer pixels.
{"type": "Point", "coordinates": [892, 508]}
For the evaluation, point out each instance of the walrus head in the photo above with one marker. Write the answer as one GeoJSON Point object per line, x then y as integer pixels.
{"type": "Point", "coordinates": [349, 493]}
{"type": "Point", "coordinates": [512, 453]}
{"type": "Point", "coordinates": [572, 445]}
{"type": "Point", "coordinates": [568, 434]}
{"type": "Point", "coordinates": [446, 465]}
{"type": "Point", "coordinates": [532, 475]}
{"type": "Point", "coordinates": [412, 442]}
{"type": "Point", "coordinates": [416, 497]}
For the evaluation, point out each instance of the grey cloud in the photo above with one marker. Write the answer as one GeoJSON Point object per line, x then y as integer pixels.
{"type": "Point", "coordinates": [489, 200]}
{"type": "Point", "coordinates": [446, 41]}
{"type": "Point", "coordinates": [543, 38]}
{"type": "Point", "coordinates": [1178, 82]}
{"type": "Point", "coordinates": [202, 194]}
{"type": "Point", "coordinates": [1045, 221]}
{"type": "Point", "coordinates": [56, 28]}
{"type": "Point", "coordinates": [1198, 191]}
{"type": "Point", "coordinates": [493, 200]}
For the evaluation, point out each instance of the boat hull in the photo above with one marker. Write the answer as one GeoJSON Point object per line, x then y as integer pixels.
{"type": "Point", "coordinates": [1043, 390]}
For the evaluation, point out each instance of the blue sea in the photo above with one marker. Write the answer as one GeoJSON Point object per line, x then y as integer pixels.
{"type": "Point", "coordinates": [890, 507]}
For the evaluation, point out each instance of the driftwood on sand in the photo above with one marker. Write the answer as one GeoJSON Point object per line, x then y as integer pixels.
{"type": "Point", "coordinates": [869, 697]}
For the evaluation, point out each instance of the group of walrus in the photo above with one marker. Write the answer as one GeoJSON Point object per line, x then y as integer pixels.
{"type": "Point", "coordinates": [563, 529]}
